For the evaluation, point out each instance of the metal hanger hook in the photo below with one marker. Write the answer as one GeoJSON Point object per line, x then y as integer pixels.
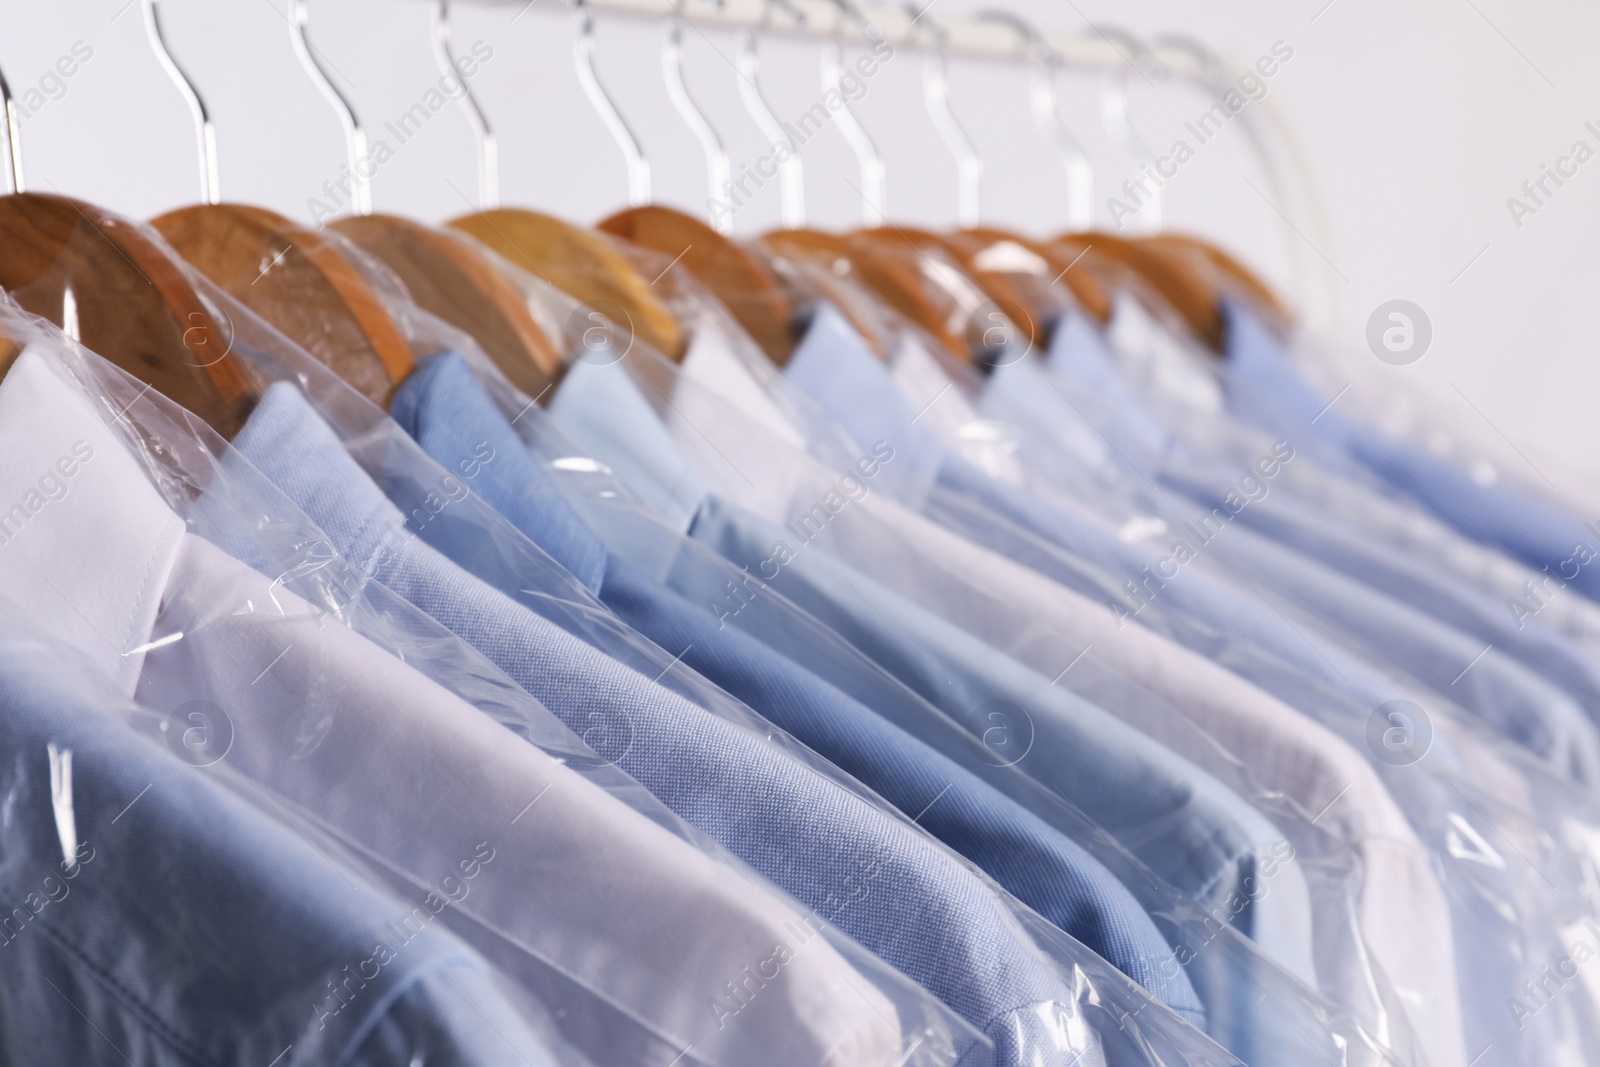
{"type": "Point", "coordinates": [210, 192]}
{"type": "Point", "coordinates": [1292, 181]}
{"type": "Point", "coordinates": [12, 131]}
{"type": "Point", "coordinates": [873, 180]}
{"type": "Point", "coordinates": [719, 175]}
{"type": "Point", "coordinates": [1045, 101]}
{"type": "Point", "coordinates": [936, 94]}
{"type": "Point", "coordinates": [583, 55]}
{"type": "Point", "coordinates": [355, 138]}
{"type": "Point", "coordinates": [1145, 189]}
{"type": "Point", "coordinates": [791, 171]}
{"type": "Point", "coordinates": [488, 146]}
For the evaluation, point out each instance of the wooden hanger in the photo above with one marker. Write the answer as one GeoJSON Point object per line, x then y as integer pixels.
{"type": "Point", "coordinates": [582, 264]}
{"type": "Point", "coordinates": [895, 276]}
{"type": "Point", "coordinates": [293, 277]}
{"type": "Point", "coordinates": [102, 280]}
{"type": "Point", "coordinates": [835, 279]}
{"type": "Point", "coordinates": [455, 278]}
{"type": "Point", "coordinates": [1183, 289]}
{"type": "Point", "coordinates": [297, 280]}
{"type": "Point", "coordinates": [996, 286]}
{"type": "Point", "coordinates": [1082, 277]}
{"type": "Point", "coordinates": [1225, 273]}
{"type": "Point", "coordinates": [734, 274]}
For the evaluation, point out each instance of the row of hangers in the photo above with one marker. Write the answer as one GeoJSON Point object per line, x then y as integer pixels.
{"type": "Point", "coordinates": [123, 295]}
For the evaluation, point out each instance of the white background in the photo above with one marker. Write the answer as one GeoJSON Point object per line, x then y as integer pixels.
{"type": "Point", "coordinates": [1419, 120]}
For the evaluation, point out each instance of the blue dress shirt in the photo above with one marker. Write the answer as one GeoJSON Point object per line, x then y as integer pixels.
{"type": "Point", "coordinates": [874, 877]}
{"type": "Point", "coordinates": [192, 928]}
{"type": "Point", "coordinates": [1224, 540]}
{"type": "Point", "coordinates": [445, 408]}
{"type": "Point", "coordinates": [1264, 388]}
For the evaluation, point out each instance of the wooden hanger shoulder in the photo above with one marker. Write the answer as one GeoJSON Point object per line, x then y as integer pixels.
{"type": "Point", "coordinates": [1077, 272]}
{"type": "Point", "coordinates": [893, 273]}
{"type": "Point", "coordinates": [451, 276]}
{"type": "Point", "coordinates": [582, 264]}
{"type": "Point", "coordinates": [299, 282]}
{"type": "Point", "coordinates": [1180, 286]}
{"type": "Point", "coordinates": [732, 272]}
{"type": "Point", "coordinates": [1225, 270]}
{"type": "Point", "coordinates": [836, 281]}
{"type": "Point", "coordinates": [104, 281]}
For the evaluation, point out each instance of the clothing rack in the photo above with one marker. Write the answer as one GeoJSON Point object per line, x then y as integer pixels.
{"type": "Point", "coordinates": [1000, 36]}
{"type": "Point", "coordinates": [1090, 49]}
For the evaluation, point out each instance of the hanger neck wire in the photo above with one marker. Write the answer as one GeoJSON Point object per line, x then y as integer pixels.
{"type": "Point", "coordinates": [583, 55]}
{"type": "Point", "coordinates": [12, 131]}
{"type": "Point", "coordinates": [791, 172]}
{"type": "Point", "coordinates": [1114, 116]}
{"type": "Point", "coordinates": [936, 95]}
{"type": "Point", "coordinates": [719, 174]}
{"type": "Point", "coordinates": [488, 146]}
{"type": "Point", "coordinates": [355, 138]}
{"type": "Point", "coordinates": [1044, 102]}
{"type": "Point", "coordinates": [210, 192]}
{"type": "Point", "coordinates": [873, 180]}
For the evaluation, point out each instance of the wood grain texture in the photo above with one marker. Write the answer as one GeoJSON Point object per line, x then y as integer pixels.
{"type": "Point", "coordinates": [128, 300]}
{"type": "Point", "coordinates": [297, 280]}
{"type": "Point", "coordinates": [452, 276]}
{"type": "Point", "coordinates": [1184, 290]}
{"type": "Point", "coordinates": [807, 281]}
{"type": "Point", "coordinates": [582, 264]}
{"type": "Point", "coordinates": [1028, 311]}
{"type": "Point", "coordinates": [1080, 277]}
{"type": "Point", "coordinates": [735, 275]}
{"type": "Point", "coordinates": [1225, 272]}
{"type": "Point", "coordinates": [894, 275]}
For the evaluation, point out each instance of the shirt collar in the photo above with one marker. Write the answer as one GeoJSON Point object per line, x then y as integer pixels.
{"type": "Point", "coordinates": [86, 541]}
{"type": "Point", "coordinates": [1080, 363]}
{"type": "Point", "coordinates": [1264, 387]}
{"type": "Point", "coordinates": [1155, 357]}
{"type": "Point", "coordinates": [450, 414]}
{"type": "Point", "coordinates": [746, 379]}
{"type": "Point", "coordinates": [930, 389]}
{"type": "Point", "coordinates": [291, 444]}
{"type": "Point", "coordinates": [605, 410]}
{"type": "Point", "coordinates": [837, 369]}
{"type": "Point", "coordinates": [1021, 395]}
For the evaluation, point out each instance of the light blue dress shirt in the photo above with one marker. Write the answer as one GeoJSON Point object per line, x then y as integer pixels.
{"type": "Point", "coordinates": [1263, 387]}
{"type": "Point", "coordinates": [445, 408]}
{"type": "Point", "coordinates": [450, 413]}
{"type": "Point", "coordinates": [1476, 673]}
{"type": "Point", "coordinates": [851, 384]}
{"type": "Point", "coordinates": [1350, 541]}
{"type": "Point", "coordinates": [1250, 638]}
{"type": "Point", "coordinates": [1224, 858]}
{"type": "Point", "coordinates": [192, 928]}
{"type": "Point", "coordinates": [874, 877]}
{"type": "Point", "coordinates": [1501, 916]}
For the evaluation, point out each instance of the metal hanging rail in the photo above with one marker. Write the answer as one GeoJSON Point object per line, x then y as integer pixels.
{"type": "Point", "coordinates": [966, 37]}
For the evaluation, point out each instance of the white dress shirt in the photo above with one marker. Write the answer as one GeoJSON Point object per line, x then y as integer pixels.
{"type": "Point", "coordinates": [630, 932]}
